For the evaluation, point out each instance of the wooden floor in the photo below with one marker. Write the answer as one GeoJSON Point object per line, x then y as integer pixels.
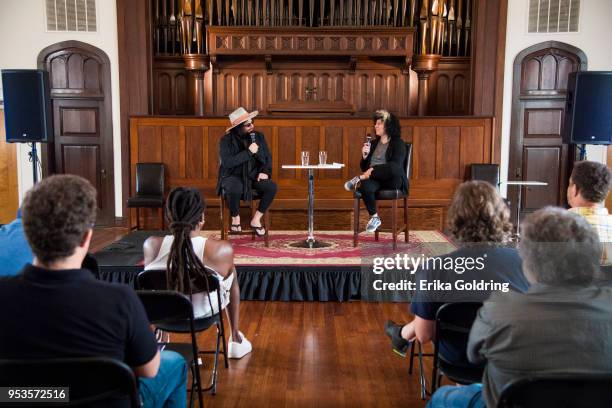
{"type": "Point", "coordinates": [310, 354]}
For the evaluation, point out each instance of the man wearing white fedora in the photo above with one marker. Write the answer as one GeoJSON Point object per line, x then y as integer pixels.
{"type": "Point", "coordinates": [246, 165]}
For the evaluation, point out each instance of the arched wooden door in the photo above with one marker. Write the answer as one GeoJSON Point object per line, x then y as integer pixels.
{"type": "Point", "coordinates": [79, 76]}
{"type": "Point", "coordinates": [537, 152]}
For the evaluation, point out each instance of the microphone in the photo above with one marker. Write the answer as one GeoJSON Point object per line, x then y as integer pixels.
{"type": "Point", "coordinates": [252, 134]}
{"type": "Point", "coordinates": [369, 139]}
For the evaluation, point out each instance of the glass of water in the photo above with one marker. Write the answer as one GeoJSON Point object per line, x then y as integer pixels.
{"type": "Point", "coordinates": [322, 157]}
{"type": "Point", "coordinates": [305, 157]}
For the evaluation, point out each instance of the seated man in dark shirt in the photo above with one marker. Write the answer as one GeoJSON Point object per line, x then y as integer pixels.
{"type": "Point", "coordinates": [55, 309]}
{"type": "Point", "coordinates": [479, 222]}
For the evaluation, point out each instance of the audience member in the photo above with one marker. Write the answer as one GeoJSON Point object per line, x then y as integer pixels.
{"type": "Point", "coordinates": [479, 222]}
{"type": "Point", "coordinates": [562, 325]}
{"type": "Point", "coordinates": [54, 309]}
{"type": "Point", "coordinates": [588, 188]}
{"type": "Point", "coordinates": [15, 252]}
{"type": "Point", "coordinates": [183, 255]}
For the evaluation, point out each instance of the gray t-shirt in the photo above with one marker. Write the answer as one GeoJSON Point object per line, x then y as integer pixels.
{"type": "Point", "coordinates": [378, 157]}
{"type": "Point", "coordinates": [548, 330]}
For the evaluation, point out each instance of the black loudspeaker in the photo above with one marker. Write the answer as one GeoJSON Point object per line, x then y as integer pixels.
{"type": "Point", "coordinates": [588, 113]}
{"type": "Point", "coordinates": [27, 105]}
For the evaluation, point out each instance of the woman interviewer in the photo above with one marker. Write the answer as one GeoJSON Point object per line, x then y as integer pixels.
{"type": "Point", "coordinates": [382, 164]}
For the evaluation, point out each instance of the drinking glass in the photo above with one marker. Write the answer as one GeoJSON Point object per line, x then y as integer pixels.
{"type": "Point", "coordinates": [305, 157]}
{"type": "Point", "coordinates": [323, 157]}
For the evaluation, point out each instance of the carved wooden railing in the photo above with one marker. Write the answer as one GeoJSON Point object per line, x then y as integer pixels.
{"type": "Point", "coordinates": [444, 26]}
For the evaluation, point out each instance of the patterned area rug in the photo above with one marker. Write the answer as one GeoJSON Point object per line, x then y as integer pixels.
{"type": "Point", "coordinates": [340, 252]}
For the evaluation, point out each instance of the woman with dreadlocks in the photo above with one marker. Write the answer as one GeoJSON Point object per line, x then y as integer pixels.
{"type": "Point", "coordinates": [183, 255]}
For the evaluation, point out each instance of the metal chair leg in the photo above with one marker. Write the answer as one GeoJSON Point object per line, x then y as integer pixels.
{"type": "Point", "coordinates": [355, 221]}
{"type": "Point", "coordinates": [267, 225]}
{"type": "Point", "coordinates": [406, 230]}
{"type": "Point", "coordinates": [224, 218]}
{"type": "Point", "coordinates": [252, 207]}
{"type": "Point", "coordinates": [394, 223]}
{"type": "Point", "coordinates": [411, 357]}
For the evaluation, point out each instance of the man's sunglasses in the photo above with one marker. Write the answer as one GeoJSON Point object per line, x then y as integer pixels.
{"type": "Point", "coordinates": [248, 123]}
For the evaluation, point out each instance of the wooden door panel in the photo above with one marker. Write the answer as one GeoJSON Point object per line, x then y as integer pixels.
{"type": "Point", "coordinates": [84, 161]}
{"type": "Point", "coordinates": [79, 121]}
{"type": "Point", "coordinates": [537, 152]}
{"type": "Point", "coordinates": [543, 122]}
{"type": "Point", "coordinates": [542, 163]}
{"type": "Point", "coordinates": [83, 138]}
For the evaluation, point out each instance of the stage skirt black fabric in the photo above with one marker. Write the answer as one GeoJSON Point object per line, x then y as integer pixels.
{"type": "Point", "coordinates": [299, 283]}
{"type": "Point", "coordinates": [287, 283]}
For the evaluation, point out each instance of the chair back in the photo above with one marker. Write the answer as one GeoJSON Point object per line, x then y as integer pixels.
{"type": "Point", "coordinates": [156, 280]}
{"type": "Point", "coordinates": [150, 179]}
{"type": "Point", "coordinates": [453, 324]}
{"type": "Point", "coordinates": [485, 172]}
{"type": "Point", "coordinates": [408, 161]}
{"type": "Point", "coordinates": [92, 381]}
{"type": "Point", "coordinates": [560, 391]}
{"type": "Point", "coordinates": [90, 263]}
{"type": "Point", "coordinates": [165, 305]}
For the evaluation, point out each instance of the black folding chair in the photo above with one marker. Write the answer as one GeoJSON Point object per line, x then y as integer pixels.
{"type": "Point", "coordinates": [559, 391]}
{"type": "Point", "coordinates": [453, 324]}
{"type": "Point", "coordinates": [393, 195]}
{"type": "Point", "coordinates": [149, 190]}
{"type": "Point", "coordinates": [173, 312]}
{"type": "Point", "coordinates": [485, 172]}
{"type": "Point", "coordinates": [92, 381]}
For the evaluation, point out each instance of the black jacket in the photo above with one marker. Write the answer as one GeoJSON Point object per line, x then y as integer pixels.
{"type": "Point", "coordinates": [235, 159]}
{"type": "Point", "coordinates": [395, 157]}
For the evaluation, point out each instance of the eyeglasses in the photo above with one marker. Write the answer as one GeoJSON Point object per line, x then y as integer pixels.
{"type": "Point", "coordinates": [248, 123]}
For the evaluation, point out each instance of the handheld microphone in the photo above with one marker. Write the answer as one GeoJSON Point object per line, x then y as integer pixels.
{"type": "Point", "coordinates": [252, 134]}
{"type": "Point", "coordinates": [369, 139]}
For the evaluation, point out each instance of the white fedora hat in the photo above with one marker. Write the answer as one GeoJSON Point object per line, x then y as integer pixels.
{"type": "Point", "coordinates": [240, 116]}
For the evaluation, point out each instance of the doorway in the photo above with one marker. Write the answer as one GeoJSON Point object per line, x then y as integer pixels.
{"type": "Point", "coordinates": [79, 76]}
{"type": "Point", "coordinates": [537, 152]}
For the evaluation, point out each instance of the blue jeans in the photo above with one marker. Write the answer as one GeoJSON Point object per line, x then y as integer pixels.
{"type": "Point", "coordinates": [168, 389]}
{"type": "Point", "coordinates": [457, 396]}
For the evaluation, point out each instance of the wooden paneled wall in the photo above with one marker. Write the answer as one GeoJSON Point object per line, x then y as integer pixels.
{"type": "Point", "coordinates": [9, 200]}
{"type": "Point", "coordinates": [327, 88]}
{"type": "Point", "coordinates": [443, 149]}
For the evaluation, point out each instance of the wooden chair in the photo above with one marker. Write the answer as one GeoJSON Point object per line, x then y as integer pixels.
{"type": "Point", "coordinates": [394, 195]}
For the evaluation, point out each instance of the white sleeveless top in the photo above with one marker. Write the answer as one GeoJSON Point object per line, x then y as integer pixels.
{"type": "Point", "coordinates": [201, 306]}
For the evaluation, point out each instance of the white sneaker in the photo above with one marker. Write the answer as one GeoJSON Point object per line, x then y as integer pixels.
{"type": "Point", "coordinates": [352, 183]}
{"type": "Point", "coordinates": [238, 350]}
{"type": "Point", "coordinates": [373, 224]}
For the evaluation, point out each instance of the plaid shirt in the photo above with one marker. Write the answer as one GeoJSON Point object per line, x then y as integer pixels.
{"type": "Point", "coordinates": [599, 218]}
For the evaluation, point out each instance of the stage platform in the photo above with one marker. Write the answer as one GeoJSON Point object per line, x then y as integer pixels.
{"type": "Point", "coordinates": [283, 272]}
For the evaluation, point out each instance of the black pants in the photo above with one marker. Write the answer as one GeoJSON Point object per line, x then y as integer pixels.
{"type": "Point", "coordinates": [369, 187]}
{"type": "Point", "coordinates": [232, 186]}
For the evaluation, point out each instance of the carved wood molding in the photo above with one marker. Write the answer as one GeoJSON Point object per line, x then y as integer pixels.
{"type": "Point", "coordinates": [382, 42]}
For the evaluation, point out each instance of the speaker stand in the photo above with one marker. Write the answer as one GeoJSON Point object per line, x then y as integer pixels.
{"type": "Point", "coordinates": [34, 159]}
{"type": "Point", "coordinates": [581, 152]}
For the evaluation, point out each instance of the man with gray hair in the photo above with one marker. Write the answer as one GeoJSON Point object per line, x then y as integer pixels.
{"type": "Point", "coordinates": [538, 332]}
